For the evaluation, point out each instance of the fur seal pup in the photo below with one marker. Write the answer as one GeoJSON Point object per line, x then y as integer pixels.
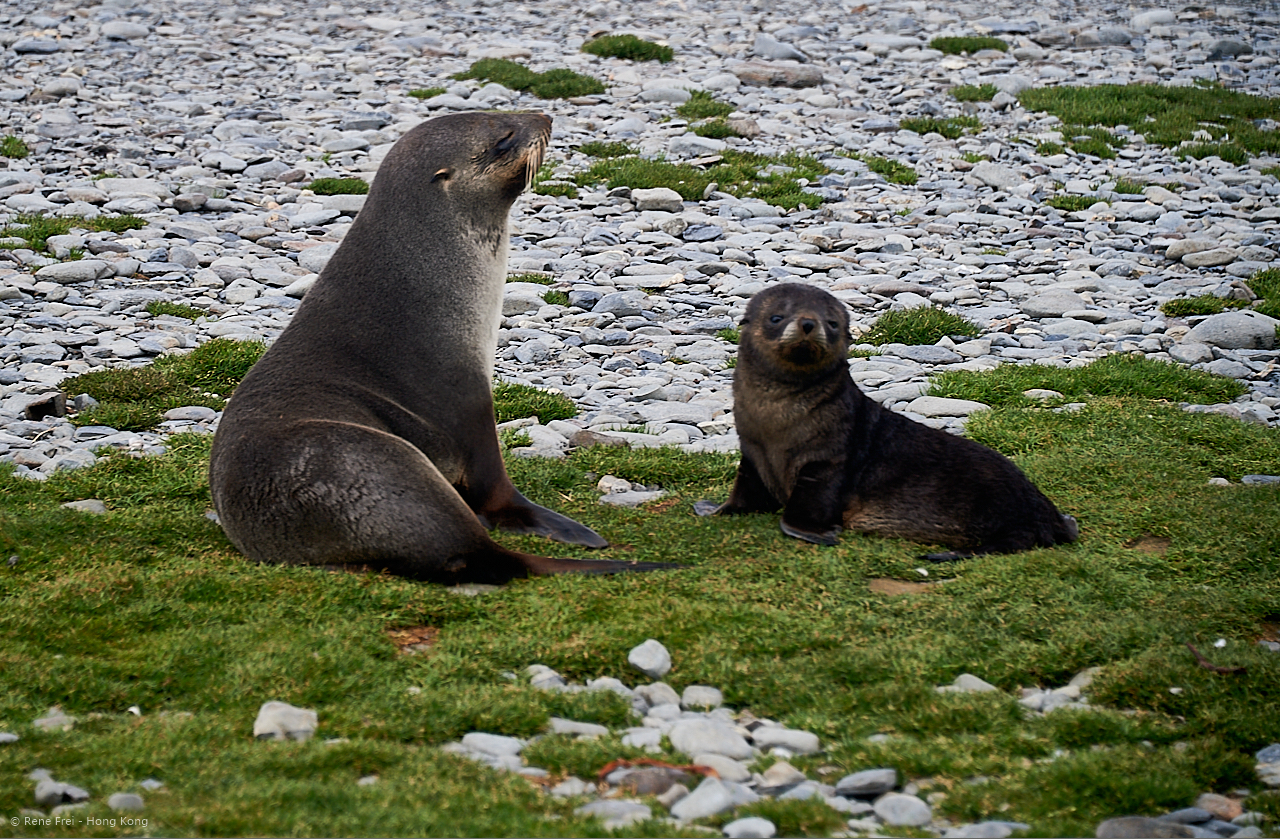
{"type": "Point", "coordinates": [818, 447]}
{"type": "Point", "coordinates": [366, 435]}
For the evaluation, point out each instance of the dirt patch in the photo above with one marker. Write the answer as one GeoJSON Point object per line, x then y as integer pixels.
{"type": "Point", "coordinates": [889, 586]}
{"type": "Point", "coordinates": [1149, 544]}
{"type": "Point", "coordinates": [413, 640]}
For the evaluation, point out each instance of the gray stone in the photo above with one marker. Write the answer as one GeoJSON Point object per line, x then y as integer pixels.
{"type": "Point", "coordinates": [868, 783]}
{"type": "Point", "coordinates": [996, 175]}
{"type": "Point", "coordinates": [6, 737]}
{"type": "Point", "coordinates": [796, 742]}
{"type": "Point", "coordinates": [1209, 258]}
{"type": "Point", "coordinates": [701, 696]}
{"type": "Point", "coordinates": [1270, 754]}
{"type": "Point", "coordinates": [924, 354]}
{"type": "Point", "coordinates": [752, 827]}
{"type": "Point", "coordinates": [51, 793]}
{"type": "Point", "coordinates": [710, 797]}
{"type": "Point", "coordinates": [89, 505]}
{"type": "Point", "coordinates": [1139, 827]}
{"type": "Point", "coordinates": [1191, 352]}
{"type": "Point", "coordinates": [659, 198]}
{"type": "Point", "coordinates": [658, 693]}
{"type": "Point", "coordinates": [652, 659]}
{"type": "Point", "coordinates": [939, 406]}
{"type": "Point", "coordinates": [695, 736]}
{"type": "Point", "coordinates": [1236, 330]}
{"type": "Point", "coordinates": [282, 721]}
{"type": "Point", "coordinates": [1052, 304]}
{"type": "Point", "coordinates": [616, 813]}
{"type": "Point", "coordinates": [79, 271]}
{"type": "Point", "coordinates": [621, 303]}
{"type": "Point", "coordinates": [727, 768]}
{"type": "Point", "coordinates": [783, 774]}
{"type": "Point", "coordinates": [583, 730]}
{"type": "Point", "coordinates": [901, 810]}
{"type": "Point", "coordinates": [123, 30]}
{"type": "Point", "coordinates": [1187, 815]}
{"type": "Point", "coordinates": [777, 74]}
{"type": "Point", "coordinates": [771, 48]}
{"type": "Point", "coordinates": [129, 802]}
{"type": "Point", "coordinates": [492, 744]}
{"type": "Point", "coordinates": [55, 720]}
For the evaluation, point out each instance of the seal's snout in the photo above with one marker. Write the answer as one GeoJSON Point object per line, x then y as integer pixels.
{"type": "Point", "coordinates": [808, 325]}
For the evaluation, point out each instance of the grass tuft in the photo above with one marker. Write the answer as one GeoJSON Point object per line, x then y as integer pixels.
{"type": "Point", "coordinates": [1266, 283]}
{"type": "Point", "coordinates": [555, 298]}
{"type": "Point", "coordinates": [715, 128]}
{"type": "Point", "coordinates": [703, 105]}
{"type": "Point", "coordinates": [922, 325]}
{"type": "Point", "coordinates": [1116, 375]}
{"type": "Point", "coordinates": [891, 170]}
{"type": "Point", "coordinates": [558, 83]}
{"type": "Point", "coordinates": [951, 127]}
{"type": "Point", "coordinates": [596, 148]}
{"type": "Point", "coordinates": [164, 307]}
{"type": "Point", "coordinates": [1047, 148]}
{"type": "Point", "coordinates": [743, 174]}
{"type": "Point", "coordinates": [1124, 186]}
{"type": "Point", "coordinates": [1207, 304]}
{"type": "Point", "coordinates": [732, 335]}
{"type": "Point", "coordinates": [514, 401]}
{"type": "Point", "coordinates": [1167, 116]}
{"type": "Point", "coordinates": [37, 229]}
{"type": "Point", "coordinates": [13, 147]}
{"type": "Point", "coordinates": [628, 47]}
{"type": "Point", "coordinates": [135, 398]}
{"type": "Point", "coordinates": [426, 92]}
{"type": "Point", "coordinates": [339, 186]}
{"type": "Point", "coordinates": [1073, 203]}
{"type": "Point", "coordinates": [540, 279]}
{"type": "Point", "coordinates": [974, 93]}
{"type": "Point", "coordinates": [959, 46]}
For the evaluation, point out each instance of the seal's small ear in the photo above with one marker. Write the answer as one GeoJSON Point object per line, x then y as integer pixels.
{"type": "Point", "coordinates": [442, 175]}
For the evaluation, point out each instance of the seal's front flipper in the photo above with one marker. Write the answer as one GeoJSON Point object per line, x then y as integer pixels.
{"type": "Point", "coordinates": [706, 508]}
{"type": "Point", "coordinates": [527, 517]}
{"type": "Point", "coordinates": [540, 566]}
{"type": "Point", "coordinates": [827, 537]}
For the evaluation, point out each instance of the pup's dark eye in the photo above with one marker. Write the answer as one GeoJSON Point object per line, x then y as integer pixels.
{"type": "Point", "coordinates": [776, 319]}
{"type": "Point", "coordinates": [442, 175]}
{"type": "Point", "coordinates": [507, 142]}
{"type": "Point", "coordinates": [833, 324]}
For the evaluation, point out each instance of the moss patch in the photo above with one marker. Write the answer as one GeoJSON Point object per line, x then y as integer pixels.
{"type": "Point", "coordinates": [559, 83]}
{"type": "Point", "coordinates": [922, 325]}
{"type": "Point", "coordinates": [339, 186]}
{"type": "Point", "coordinates": [628, 47]}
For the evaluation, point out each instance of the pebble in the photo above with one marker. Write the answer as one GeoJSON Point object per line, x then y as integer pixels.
{"type": "Point", "coordinates": [129, 802]}
{"type": "Point", "coordinates": [901, 810]}
{"type": "Point", "coordinates": [651, 659]}
{"type": "Point", "coordinates": [282, 721]}
{"type": "Point", "coordinates": [753, 827]}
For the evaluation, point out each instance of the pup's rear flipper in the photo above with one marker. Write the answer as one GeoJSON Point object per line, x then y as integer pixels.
{"type": "Point", "coordinates": [948, 556]}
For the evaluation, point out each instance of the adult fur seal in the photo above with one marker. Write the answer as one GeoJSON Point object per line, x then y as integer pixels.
{"type": "Point", "coordinates": [365, 435]}
{"type": "Point", "coordinates": [817, 446]}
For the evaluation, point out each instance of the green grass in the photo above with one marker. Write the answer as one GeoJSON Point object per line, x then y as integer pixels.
{"type": "Point", "coordinates": [513, 401]}
{"type": "Point", "coordinates": [1047, 148]}
{"type": "Point", "coordinates": [1167, 116]}
{"type": "Point", "coordinates": [1115, 375]}
{"type": "Point", "coordinates": [37, 229]}
{"type": "Point", "coordinates": [743, 174]}
{"type": "Point", "coordinates": [558, 83]}
{"type": "Point", "coordinates": [958, 46]}
{"type": "Point", "coordinates": [164, 307]}
{"type": "Point", "coordinates": [151, 606]}
{"type": "Point", "coordinates": [973, 157]}
{"type": "Point", "coordinates": [1074, 203]}
{"type": "Point", "coordinates": [1266, 283]}
{"type": "Point", "coordinates": [339, 186]}
{"type": "Point", "coordinates": [973, 93]}
{"type": "Point", "coordinates": [426, 92]}
{"type": "Point", "coordinates": [135, 398]}
{"type": "Point", "coordinates": [13, 147]}
{"type": "Point", "coordinates": [628, 47]}
{"type": "Point", "coordinates": [703, 105]}
{"type": "Point", "coordinates": [540, 279]}
{"type": "Point", "coordinates": [732, 335]}
{"type": "Point", "coordinates": [595, 148]}
{"type": "Point", "coordinates": [555, 298]}
{"type": "Point", "coordinates": [556, 188]}
{"type": "Point", "coordinates": [1128, 187]}
{"type": "Point", "coordinates": [1207, 304]}
{"type": "Point", "coordinates": [715, 128]}
{"type": "Point", "coordinates": [951, 127]}
{"type": "Point", "coordinates": [922, 325]}
{"type": "Point", "coordinates": [891, 170]}
{"type": "Point", "coordinates": [1273, 171]}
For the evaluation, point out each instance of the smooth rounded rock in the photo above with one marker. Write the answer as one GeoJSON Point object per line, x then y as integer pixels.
{"type": "Point", "coordinates": [752, 827]}
{"type": "Point", "coordinates": [282, 721]}
{"type": "Point", "coordinates": [901, 810]}
{"type": "Point", "coordinates": [696, 736]}
{"type": "Point", "coordinates": [650, 658]}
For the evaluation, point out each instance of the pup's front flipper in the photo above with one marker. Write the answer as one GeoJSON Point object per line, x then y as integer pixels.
{"type": "Point", "coordinates": [706, 508]}
{"type": "Point", "coordinates": [814, 510]}
{"type": "Point", "coordinates": [749, 495]}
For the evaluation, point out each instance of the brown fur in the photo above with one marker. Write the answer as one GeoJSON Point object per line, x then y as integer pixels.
{"type": "Point", "coordinates": [818, 447]}
{"type": "Point", "coordinates": [365, 435]}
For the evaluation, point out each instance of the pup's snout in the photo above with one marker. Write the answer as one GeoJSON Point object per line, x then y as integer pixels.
{"type": "Point", "coordinates": [808, 325]}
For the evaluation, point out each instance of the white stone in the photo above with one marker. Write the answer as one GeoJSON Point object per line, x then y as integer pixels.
{"type": "Point", "coordinates": [282, 721]}
{"type": "Point", "coordinates": [650, 658]}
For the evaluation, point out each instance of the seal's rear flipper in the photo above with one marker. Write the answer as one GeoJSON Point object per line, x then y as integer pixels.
{"type": "Point", "coordinates": [827, 537]}
{"type": "Point", "coordinates": [545, 565]}
{"type": "Point", "coordinates": [528, 517]}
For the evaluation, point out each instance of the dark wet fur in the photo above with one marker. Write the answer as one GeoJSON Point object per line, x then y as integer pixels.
{"type": "Point", "coordinates": [818, 447]}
